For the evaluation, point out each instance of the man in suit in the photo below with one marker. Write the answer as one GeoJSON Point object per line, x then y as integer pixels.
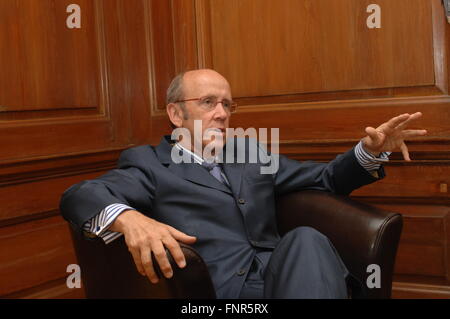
{"type": "Point", "coordinates": [226, 210]}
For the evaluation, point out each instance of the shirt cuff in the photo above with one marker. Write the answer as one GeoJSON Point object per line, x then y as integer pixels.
{"type": "Point", "coordinates": [98, 225]}
{"type": "Point", "coordinates": [370, 162]}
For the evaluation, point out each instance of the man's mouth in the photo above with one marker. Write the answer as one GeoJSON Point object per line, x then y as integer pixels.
{"type": "Point", "coordinates": [215, 129]}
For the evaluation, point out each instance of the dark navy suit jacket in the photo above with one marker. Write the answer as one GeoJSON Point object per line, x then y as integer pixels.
{"type": "Point", "coordinates": [230, 225]}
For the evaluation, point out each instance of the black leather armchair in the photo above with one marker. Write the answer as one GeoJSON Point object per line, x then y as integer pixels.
{"type": "Point", "coordinates": [362, 234]}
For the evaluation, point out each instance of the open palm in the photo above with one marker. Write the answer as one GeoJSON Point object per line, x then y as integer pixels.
{"type": "Point", "coordinates": [391, 135]}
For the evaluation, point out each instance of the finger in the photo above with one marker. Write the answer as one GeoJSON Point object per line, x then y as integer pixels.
{"type": "Point", "coordinates": [414, 133]}
{"type": "Point", "coordinates": [405, 152]}
{"type": "Point", "coordinates": [135, 253]}
{"type": "Point", "coordinates": [395, 121]}
{"type": "Point", "coordinates": [147, 263]}
{"type": "Point", "coordinates": [373, 134]}
{"type": "Point", "coordinates": [180, 236]}
{"type": "Point", "coordinates": [175, 251]}
{"type": "Point", "coordinates": [413, 117]}
{"type": "Point", "coordinates": [161, 257]}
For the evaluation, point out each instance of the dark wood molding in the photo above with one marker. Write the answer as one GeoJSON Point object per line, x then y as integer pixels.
{"type": "Point", "coordinates": [54, 289]}
{"type": "Point", "coordinates": [380, 93]}
{"type": "Point", "coordinates": [348, 103]}
{"type": "Point", "coordinates": [44, 167]}
{"type": "Point", "coordinates": [402, 200]}
{"type": "Point", "coordinates": [28, 218]}
{"type": "Point", "coordinates": [412, 290]}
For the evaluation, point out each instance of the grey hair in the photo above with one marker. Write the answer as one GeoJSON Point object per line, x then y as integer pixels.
{"type": "Point", "coordinates": [175, 90]}
{"type": "Point", "coordinates": [175, 93]}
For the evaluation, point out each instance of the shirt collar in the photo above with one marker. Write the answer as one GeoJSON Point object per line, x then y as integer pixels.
{"type": "Point", "coordinates": [197, 159]}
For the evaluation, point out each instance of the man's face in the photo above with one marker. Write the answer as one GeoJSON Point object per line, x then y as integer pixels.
{"type": "Point", "coordinates": [201, 84]}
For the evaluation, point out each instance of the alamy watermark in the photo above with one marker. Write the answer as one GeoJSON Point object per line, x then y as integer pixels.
{"type": "Point", "coordinates": [74, 279]}
{"type": "Point", "coordinates": [242, 146]}
{"type": "Point", "coordinates": [374, 20]}
{"type": "Point", "coordinates": [374, 279]}
{"type": "Point", "coordinates": [73, 21]}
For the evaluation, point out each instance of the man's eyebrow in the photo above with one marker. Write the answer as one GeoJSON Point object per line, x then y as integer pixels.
{"type": "Point", "coordinates": [216, 97]}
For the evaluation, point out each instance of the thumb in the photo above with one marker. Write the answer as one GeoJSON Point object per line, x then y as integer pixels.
{"type": "Point", "coordinates": [372, 134]}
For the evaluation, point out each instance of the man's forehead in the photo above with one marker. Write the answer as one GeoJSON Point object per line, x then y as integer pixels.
{"type": "Point", "coordinates": [203, 74]}
{"type": "Point", "coordinates": [200, 80]}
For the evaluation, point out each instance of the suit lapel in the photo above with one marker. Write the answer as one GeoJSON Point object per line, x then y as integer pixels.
{"type": "Point", "coordinates": [192, 172]}
{"type": "Point", "coordinates": [197, 174]}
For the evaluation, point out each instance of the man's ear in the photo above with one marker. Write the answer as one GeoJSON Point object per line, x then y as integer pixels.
{"type": "Point", "coordinates": [175, 114]}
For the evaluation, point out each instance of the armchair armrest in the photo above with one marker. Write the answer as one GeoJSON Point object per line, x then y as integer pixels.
{"type": "Point", "coordinates": [362, 234]}
{"type": "Point", "coordinates": [108, 271]}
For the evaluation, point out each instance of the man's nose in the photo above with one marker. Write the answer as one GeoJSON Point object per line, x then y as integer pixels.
{"type": "Point", "coordinates": [220, 111]}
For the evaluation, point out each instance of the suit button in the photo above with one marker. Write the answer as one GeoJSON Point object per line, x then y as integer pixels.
{"type": "Point", "coordinates": [241, 201]}
{"type": "Point", "coordinates": [240, 272]}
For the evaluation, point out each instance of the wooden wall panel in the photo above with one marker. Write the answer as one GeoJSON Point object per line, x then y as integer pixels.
{"type": "Point", "coordinates": [423, 262]}
{"type": "Point", "coordinates": [92, 82]}
{"type": "Point", "coordinates": [301, 115]}
{"type": "Point", "coordinates": [34, 253]}
{"type": "Point", "coordinates": [171, 39]}
{"type": "Point", "coordinates": [70, 101]}
{"type": "Point", "coordinates": [403, 179]}
{"type": "Point", "coordinates": [59, 67]}
{"type": "Point", "coordinates": [36, 246]}
{"type": "Point", "coordinates": [424, 249]}
{"type": "Point", "coordinates": [55, 71]}
{"type": "Point", "coordinates": [44, 198]}
{"type": "Point", "coordinates": [328, 40]}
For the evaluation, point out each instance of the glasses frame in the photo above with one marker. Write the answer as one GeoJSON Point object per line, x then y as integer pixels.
{"type": "Point", "coordinates": [232, 108]}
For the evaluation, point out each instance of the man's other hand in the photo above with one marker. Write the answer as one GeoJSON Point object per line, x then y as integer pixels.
{"type": "Point", "coordinates": [144, 235]}
{"type": "Point", "coordinates": [391, 135]}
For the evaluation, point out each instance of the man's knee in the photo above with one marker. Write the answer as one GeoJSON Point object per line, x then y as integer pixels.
{"type": "Point", "coordinates": [303, 243]}
{"type": "Point", "coordinates": [305, 235]}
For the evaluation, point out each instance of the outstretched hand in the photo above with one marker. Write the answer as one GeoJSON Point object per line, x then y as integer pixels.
{"type": "Point", "coordinates": [391, 135]}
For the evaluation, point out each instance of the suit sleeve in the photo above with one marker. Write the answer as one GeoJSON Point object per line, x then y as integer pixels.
{"type": "Point", "coordinates": [128, 185]}
{"type": "Point", "coordinates": [341, 176]}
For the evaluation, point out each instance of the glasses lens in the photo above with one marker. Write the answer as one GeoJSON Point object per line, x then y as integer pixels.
{"type": "Point", "coordinates": [226, 104]}
{"type": "Point", "coordinates": [208, 102]}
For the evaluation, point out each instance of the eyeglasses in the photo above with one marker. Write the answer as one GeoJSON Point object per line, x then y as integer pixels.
{"type": "Point", "coordinates": [209, 103]}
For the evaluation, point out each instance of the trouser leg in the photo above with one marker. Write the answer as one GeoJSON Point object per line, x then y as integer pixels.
{"type": "Point", "coordinates": [305, 265]}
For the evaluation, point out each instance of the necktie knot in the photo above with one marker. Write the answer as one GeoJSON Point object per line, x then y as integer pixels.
{"type": "Point", "coordinates": [210, 166]}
